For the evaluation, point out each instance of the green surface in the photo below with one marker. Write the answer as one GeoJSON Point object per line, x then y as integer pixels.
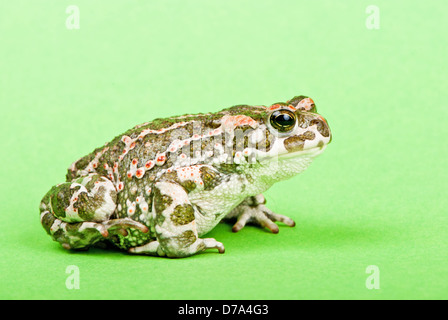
{"type": "Point", "coordinates": [377, 196]}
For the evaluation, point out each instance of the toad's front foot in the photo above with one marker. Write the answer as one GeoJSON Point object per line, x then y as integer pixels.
{"type": "Point", "coordinates": [253, 210]}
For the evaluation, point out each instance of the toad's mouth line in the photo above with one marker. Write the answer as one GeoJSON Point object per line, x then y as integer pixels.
{"type": "Point", "coordinates": [312, 152]}
{"type": "Point", "coordinates": [308, 152]}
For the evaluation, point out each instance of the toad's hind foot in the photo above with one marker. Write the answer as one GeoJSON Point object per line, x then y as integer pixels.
{"type": "Point", "coordinates": [253, 210]}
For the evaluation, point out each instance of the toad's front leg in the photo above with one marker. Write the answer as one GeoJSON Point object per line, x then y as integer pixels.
{"type": "Point", "coordinates": [253, 210]}
{"type": "Point", "coordinates": [175, 225]}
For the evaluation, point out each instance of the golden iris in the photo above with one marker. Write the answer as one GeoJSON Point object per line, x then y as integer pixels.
{"type": "Point", "coordinates": [283, 120]}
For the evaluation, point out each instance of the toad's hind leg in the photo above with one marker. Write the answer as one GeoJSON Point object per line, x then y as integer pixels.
{"type": "Point", "coordinates": [175, 225]}
{"type": "Point", "coordinates": [77, 213]}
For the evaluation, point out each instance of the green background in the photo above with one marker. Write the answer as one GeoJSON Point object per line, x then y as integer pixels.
{"type": "Point", "coordinates": [376, 196]}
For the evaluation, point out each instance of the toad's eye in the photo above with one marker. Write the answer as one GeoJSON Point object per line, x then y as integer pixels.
{"type": "Point", "coordinates": [283, 120]}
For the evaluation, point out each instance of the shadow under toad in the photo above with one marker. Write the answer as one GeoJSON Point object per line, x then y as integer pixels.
{"type": "Point", "coordinates": [303, 236]}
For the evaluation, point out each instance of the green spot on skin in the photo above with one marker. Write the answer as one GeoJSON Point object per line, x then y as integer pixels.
{"type": "Point", "coordinates": [161, 202]}
{"type": "Point", "coordinates": [188, 185]}
{"type": "Point", "coordinates": [210, 178]}
{"type": "Point", "coordinates": [187, 238]}
{"type": "Point", "coordinates": [182, 214]}
{"type": "Point", "coordinates": [59, 197]}
{"type": "Point", "coordinates": [87, 205]}
{"type": "Point", "coordinates": [47, 221]}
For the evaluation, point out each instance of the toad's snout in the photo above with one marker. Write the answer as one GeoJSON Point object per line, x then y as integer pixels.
{"type": "Point", "coordinates": [314, 121]}
{"type": "Point", "coordinates": [323, 128]}
{"type": "Point", "coordinates": [313, 132]}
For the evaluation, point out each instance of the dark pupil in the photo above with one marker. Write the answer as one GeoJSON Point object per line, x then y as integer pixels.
{"type": "Point", "coordinates": [283, 121]}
